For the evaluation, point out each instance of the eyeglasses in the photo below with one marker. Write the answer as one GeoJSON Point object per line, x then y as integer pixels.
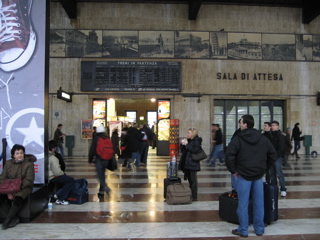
{"type": "Point", "coordinates": [191, 129]}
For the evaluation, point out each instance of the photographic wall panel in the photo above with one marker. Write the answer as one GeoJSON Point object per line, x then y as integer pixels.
{"type": "Point", "coordinates": [184, 44]}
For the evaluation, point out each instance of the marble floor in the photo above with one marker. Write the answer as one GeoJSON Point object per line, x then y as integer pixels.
{"type": "Point", "coordinates": [136, 208]}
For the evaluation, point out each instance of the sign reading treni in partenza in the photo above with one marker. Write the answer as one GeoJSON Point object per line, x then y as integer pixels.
{"type": "Point", "coordinates": [130, 76]}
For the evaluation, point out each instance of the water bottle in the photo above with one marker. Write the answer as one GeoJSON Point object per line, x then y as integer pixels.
{"type": "Point", "coordinates": [49, 204]}
{"type": "Point", "coordinates": [168, 169]}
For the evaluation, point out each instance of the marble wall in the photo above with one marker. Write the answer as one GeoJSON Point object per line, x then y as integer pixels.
{"type": "Point", "coordinates": [298, 87]}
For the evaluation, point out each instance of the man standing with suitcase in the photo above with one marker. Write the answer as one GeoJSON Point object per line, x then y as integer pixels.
{"type": "Point", "coordinates": [248, 157]}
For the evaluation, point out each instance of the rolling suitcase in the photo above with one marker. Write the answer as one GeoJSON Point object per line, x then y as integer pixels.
{"type": "Point", "coordinates": [270, 202]}
{"type": "Point", "coordinates": [228, 206]}
{"type": "Point", "coordinates": [167, 182]}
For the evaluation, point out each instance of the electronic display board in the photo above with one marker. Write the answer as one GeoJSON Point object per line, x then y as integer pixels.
{"type": "Point", "coordinates": [129, 76]}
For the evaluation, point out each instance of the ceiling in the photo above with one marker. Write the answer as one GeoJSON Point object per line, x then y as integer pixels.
{"type": "Point", "coordinates": [310, 8]}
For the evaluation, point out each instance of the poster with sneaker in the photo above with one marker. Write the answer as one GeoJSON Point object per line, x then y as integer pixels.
{"type": "Point", "coordinates": [22, 77]}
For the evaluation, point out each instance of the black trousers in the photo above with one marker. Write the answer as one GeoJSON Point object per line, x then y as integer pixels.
{"type": "Point", "coordinates": [193, 182]}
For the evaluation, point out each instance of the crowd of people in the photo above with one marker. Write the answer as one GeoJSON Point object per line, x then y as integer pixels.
{"type": "Point", "coordinates": [249, 156]}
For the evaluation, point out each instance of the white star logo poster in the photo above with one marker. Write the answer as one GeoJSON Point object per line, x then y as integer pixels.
{"type": "Point", "coordinates": [22, 78]}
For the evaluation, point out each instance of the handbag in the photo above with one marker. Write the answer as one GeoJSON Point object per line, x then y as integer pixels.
{"type": "Point", "coordinates": [199, 156]}
{"type": "Point", "coordinates": [113, 165]}
{"type": "Point", "coordinates": [11, 185]}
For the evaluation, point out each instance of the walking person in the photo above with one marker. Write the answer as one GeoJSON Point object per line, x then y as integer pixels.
{"type": "Point", "coordinates": [217, 151]}
{"type": "Point", "coordinates": [115, 141]}
{"type": "Point", "coordinates": [190, 167]}
{"type": "Point", "coordinates": [20, 165]}
{"type": "Point", "coordinates": [135, 138]}
{"type": "Point", "coordinates": [248, 156]}
{"type": "Point", "coordinates": [296, 138]}
{"type": "Point", "coordinates": [287, 149]}
{"type": "Point", "coordinates": [126, 149]}
{"type": "Point", "coordinates": [144, 145]}
{"type": "Point", "coordinates": [102, 150]}
{"type": "Point", "coordinates": [58, 137]}
{"type": "Point", "coordinates": [278, 141]}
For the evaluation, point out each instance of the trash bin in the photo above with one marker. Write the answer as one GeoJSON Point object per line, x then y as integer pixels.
{"type": "Point", "coordinates": [307, 142]}
{"type": "Point", "coordinates": [70, 144]}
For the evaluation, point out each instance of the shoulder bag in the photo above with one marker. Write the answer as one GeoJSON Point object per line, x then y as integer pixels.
{"type": "Point", "coordinates": [199, 156]}
{"type": "Point", "coordinates": [113, 165]}
{"type": "Point", "coordinates": [11, 185]}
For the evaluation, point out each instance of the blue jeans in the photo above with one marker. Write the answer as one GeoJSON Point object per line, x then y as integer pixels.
{"type": "Point", "coordinates": [216, 153]}
{"type": "Point", "coordinates": [233, 182]}
{"type": "Point", "coordinates": [61, 150]}
{"type": "Point", "coordinates": [67, 183]}
{"type": "Point", "coordinates": [136, 156]}
{"type": "Point", "coordinates": [276, 171]}
{"type": "Point", "coordinates": [296, 145]}
{"type": "Point", "coordinates": [101, 166]}
{"type": "Point", "coordinates": [244, 187]}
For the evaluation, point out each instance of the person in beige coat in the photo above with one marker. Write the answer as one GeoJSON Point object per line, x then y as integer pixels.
{"type": "Point", "coordinates": [21, 165]}
{"type": "Point", "coordinates": [56, 175]}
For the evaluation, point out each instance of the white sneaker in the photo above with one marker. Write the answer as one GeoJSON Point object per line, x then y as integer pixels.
{"type": "Point", "coordinates": [283, 193]}
{"type": "Point", "coordinates": [62, 202]}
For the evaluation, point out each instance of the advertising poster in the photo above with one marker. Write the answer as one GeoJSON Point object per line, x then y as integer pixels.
{"type": "Point", "coordinates": [86, 129]}
{"type": "Point", "coordinates": [115, 124]}
{"type": "Point", "coordinates": [22, 77]}
{"type": "Point", "coordinates": [163, 120]}
{"type": "Point", "coordinates": [99, 112]}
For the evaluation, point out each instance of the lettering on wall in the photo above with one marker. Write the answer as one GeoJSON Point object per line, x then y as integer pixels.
{"type": "Point", "coordinates": [250, 76]}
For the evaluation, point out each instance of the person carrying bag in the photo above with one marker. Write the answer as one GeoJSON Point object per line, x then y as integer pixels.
{"type": "Point", "coordinates": [20, 166]}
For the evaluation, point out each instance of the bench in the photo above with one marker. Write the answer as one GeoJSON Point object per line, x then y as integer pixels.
{"type": "Point", "coordinates": [32, 206]}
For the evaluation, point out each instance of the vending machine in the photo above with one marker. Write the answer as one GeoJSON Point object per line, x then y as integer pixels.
{"type": "Point", "coordinates": [174, 137]}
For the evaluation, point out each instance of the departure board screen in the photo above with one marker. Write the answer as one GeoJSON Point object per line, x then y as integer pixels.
{"type": "Point", "coordinates": [130, 76]}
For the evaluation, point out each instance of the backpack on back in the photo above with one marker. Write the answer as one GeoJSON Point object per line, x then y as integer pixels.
{"type": "Point", "coordinates": [105, 148]}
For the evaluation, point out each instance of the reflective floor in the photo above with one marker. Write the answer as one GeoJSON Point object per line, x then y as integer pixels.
{"type": "Point", "coordinates": [136, 208]}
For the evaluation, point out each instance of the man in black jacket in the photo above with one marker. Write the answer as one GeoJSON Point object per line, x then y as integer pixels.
{"type": "Point", "coordinates": [248, 156]}
{"type": "Point", "coordinates": [135, 138]}
{"type": "Point", "coordinates": [267, 130]}
{"type": "Point", "coordinates": [278, 140]}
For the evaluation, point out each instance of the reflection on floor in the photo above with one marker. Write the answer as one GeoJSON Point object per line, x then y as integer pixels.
{"type": "Point", "coordinates": [136, 209]}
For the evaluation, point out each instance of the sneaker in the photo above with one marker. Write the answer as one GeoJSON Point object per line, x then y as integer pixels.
{"type": "Point", "coordinates": [62, 202]}
{"type": "Point", "coordinates": [235, 232]}
{"type": "Point", "coordinates": [259, 234]}
{"type": "Point", "coordinates": [17, 38]}
{"type": "Point", "coordinates": [283, 194]}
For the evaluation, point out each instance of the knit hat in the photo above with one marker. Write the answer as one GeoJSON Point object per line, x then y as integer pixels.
{"type": "Point", "coordinates": [288, 129]}
{"type": "Point", "coordinates": [100, 129]}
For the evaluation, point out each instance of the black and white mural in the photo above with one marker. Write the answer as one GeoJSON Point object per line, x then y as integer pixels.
{"type": "Point", "coordinates": [120, 44]}
{"type": "Point", "coordinates": [244, 46]}
{"type": "Point", "coordinates": [191, 44]}
{"type": "Point", "coordinates": [156, 44]}
{"type": "Point", "coordinates": [281, 47]}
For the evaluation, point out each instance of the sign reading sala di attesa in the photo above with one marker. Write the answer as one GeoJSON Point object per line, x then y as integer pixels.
{"type": "Point", "coordinates": [145, 76]}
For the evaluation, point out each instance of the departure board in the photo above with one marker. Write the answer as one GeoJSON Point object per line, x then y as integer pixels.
{"type": "Point", "coordinates": [130, 76]}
